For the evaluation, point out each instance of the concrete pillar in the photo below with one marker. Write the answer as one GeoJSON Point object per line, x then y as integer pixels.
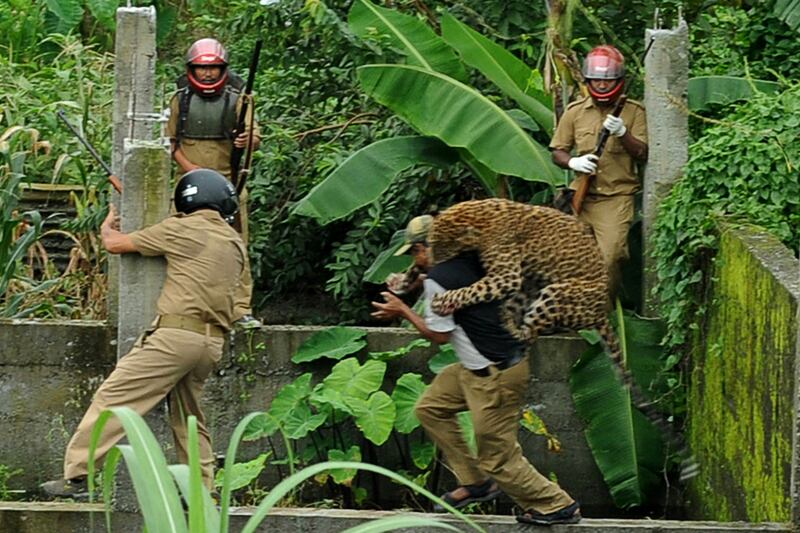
{"type": "Point", "coordinates": [134, 89]}
{"type": "Point", "coordinates": [145, 201]}
{"type": "Point", "coordinates": [665, 90]}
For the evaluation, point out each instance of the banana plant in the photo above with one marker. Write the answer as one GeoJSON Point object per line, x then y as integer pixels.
{"type": "Point", "coordinates": [456, 122]}
{"type": "Point", "coordinates": [627, 448]}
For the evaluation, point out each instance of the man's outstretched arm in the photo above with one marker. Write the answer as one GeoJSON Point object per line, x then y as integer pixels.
{"type": "Point", "coordinates": [397, 308]}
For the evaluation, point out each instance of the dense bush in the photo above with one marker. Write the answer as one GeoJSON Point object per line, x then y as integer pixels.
{"type": "Point", "coordinates": [743, 170]}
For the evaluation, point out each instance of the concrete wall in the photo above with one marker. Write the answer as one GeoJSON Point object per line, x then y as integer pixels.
{"type": "Point", "coordinates": [49, 370]}
{"type": "Point", "coordinates": [743, 387]}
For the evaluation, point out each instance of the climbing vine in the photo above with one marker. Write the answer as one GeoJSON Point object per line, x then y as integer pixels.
{"type": "Point", "coordinates": [744, 170]}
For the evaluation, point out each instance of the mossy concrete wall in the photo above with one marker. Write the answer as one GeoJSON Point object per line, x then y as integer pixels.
{"type": "Point", "coordinates": [48, 372]}
{"type": "Point", "coordinates": [742, 391]}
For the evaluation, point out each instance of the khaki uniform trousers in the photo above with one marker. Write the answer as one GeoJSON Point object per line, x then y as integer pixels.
{"type": "Point", "coordinates": [610, 218]}
{"type": "Point", "coordinates": [495, 403]}
{"type": "Point", "coordinates": [170, 362]}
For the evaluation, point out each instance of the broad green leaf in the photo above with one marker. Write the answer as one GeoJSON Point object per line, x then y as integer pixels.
{"type": "Point", "coordinates": [242, 473]}
{"type": "Point", "coordinates": [197, 513]}
{"type": "Point", "coordinates": [230, 460]}
{"type": "Point", "coordinates": [707, 90]}
{"type": "Point", "coordinates": [333, 343]}
{"type": "Point", "coordinates": [68, 12]}
{"type": "Point", "coordinates": [355, 380]}
{"type": "Point", "coordinates": [289, 484]}
{"type": "Point", "coordinates": [645, 350]}
{"type": "Point", "coordinates": [387, 263]}
{"type": "Point", "coordinates": [290, 397]}
{"type": "Point", "coordinates": [261, 426]}
{"type": "Point", "coordinates": [300, 421]}
{"type": "Point", "coordinates": [105, 11]}
{"type": "Point", "coordinates": [181, 475]}
{"type": "Point", "coordinates": [441, 107]}
{"type": "Point", "coordinates": [523, 119]}
{"type": "Point", "coordinates": [155, 491]}
{"type": "Point", "coordinates": [324, 395]}
{"type": "Point", "coordinates": [366, 174]}
{"type": "Point", "coordinates": [422, 453]}
{"type": "Point", "coordinates": [405, 395]}
{"type": "Point", "coordinates": [444, 358]}
{"type": "Point", "coordinates": [468, 430]}
{"type": "Point", "coordinates": [409, 35]}
{"type": "Point", "coordinates": [165, 22]}
{"type": "Point", "coordinates": [505, 70]}
{"type": "Point", "coordinates": [344, 476]}
{"type": "Point", "coordinates": [627, 448]}
{"type": "Point", "coordinates": [375, 416]}
{"type": "Point", "coordinates": [789, 12]}
{"type": "Point", "coordinates": [402, 351]}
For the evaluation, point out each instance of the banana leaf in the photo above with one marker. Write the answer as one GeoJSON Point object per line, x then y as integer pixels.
{"type": "Point", "coordinates": [707, 90]}
{"type": "Point", "coordinates": [789, 12]}
{"type": "Point", "coordinates": [628, 449]}
{"type": "Point", "coordinates": [505, 70]}
{"type": "Point", "coordinates": [367, 173]}
{"type": "Point", "coordinates": [439, 106]}
{"type": "Point", "coordinates": [409, 35]}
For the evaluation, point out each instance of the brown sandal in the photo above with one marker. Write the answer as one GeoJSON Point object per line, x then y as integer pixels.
{"type": "Point", "coordinates": [484, 492]}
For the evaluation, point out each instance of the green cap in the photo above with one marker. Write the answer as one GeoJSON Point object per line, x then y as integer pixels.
{"type": "Point", "coordinates": [416, 231]}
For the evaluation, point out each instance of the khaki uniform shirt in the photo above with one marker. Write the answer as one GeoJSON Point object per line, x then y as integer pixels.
{"type": "Point", "coordinates": [579, 128]}
{"type": "Point", "coordinates": [205, 257]}
{"type": "Point", "coordinates": [207, 153]}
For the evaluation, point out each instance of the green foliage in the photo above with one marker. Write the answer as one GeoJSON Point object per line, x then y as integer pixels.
{"type": "Point", "coordinates": [7, 473]}
{"type": "Point", "coordinates": [159, 498]}
{"type": "Point", "coordinates": [759, 185]}
{"type": "Point", "coordinates": [737, 41]}
{"type": "Point", "coordinates": [333, 343]}
{"type": "Point", "coordinates": [627, 448]}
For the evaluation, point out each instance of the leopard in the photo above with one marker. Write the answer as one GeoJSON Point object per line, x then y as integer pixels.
{"type": "Point", "coordinates": [548, 272]}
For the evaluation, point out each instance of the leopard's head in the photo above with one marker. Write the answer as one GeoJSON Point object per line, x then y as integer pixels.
{"type": "Point", "coordinates": [448, 238]}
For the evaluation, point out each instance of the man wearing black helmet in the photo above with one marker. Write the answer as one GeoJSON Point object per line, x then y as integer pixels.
{"type": "Point", "coordinates": [205, 259]}
{"type": "Point", "coordinates": [202, 120]}
{"type": "Point", "coordinates": [609, 205]}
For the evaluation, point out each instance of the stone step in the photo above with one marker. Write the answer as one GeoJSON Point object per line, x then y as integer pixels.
{"type": "Point", "coordinates": [38, 517]}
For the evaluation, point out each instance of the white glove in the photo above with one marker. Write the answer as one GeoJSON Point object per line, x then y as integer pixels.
{"type": "Point", "coordinates": [615, 126]}
{"type": "Point", "coordinates": [585, 164]}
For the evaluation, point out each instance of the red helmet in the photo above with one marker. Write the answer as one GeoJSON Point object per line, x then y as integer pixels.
{"type": "Point", "coordinates": [207, 52]}
{"type": "Point", "coordinates": [604, 63]}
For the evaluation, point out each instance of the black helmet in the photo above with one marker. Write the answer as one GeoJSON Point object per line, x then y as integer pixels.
{"type": "Point", "coordinates": [206, 189]}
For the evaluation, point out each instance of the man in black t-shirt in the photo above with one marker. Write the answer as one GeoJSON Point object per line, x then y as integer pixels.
{"type": "Point", "coordinates": [490, 380]}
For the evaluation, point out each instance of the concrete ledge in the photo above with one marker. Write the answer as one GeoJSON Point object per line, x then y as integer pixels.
{"type": "Point", "coordinates": [76, 518]}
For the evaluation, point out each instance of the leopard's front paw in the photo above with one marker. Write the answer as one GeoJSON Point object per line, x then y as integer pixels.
{"type": "Point", "coordinates": [443, 304]}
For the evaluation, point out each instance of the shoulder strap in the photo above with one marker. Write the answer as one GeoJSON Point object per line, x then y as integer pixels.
{"type": "Point", "coordinates": [183, 111]}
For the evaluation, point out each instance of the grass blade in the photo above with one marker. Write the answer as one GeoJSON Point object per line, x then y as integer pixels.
{"type": "Point", "coordinates": [230, 460]}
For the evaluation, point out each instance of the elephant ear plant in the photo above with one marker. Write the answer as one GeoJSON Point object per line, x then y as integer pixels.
{"type": "Point", "coordinates": [159, 487]}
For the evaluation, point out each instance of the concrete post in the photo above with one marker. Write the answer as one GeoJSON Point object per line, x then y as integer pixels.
{"type": "Point", "coordinates": [145, 202]}
{"type": "Point", "coordinates": [665, 92]}
{"type": "Point", "coordinates": [134, 89]}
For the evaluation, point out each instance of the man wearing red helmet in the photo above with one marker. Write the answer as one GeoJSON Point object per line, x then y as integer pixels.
{"type": "Point", "coordinates": [609, 205]}
{"type": "Point", "coordinates": [202, 120]}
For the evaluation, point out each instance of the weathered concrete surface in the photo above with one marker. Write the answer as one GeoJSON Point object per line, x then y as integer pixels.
{"type": "Point", "coordinates": [744, 385]}
{"type": "Point", "coordinates": [145, 202]}
{"type": "Point", "coordinates": [48, 371]}
{"type": "Point", "coordinates": [665, 92]}
{"type": "Point", "coordinates": [41, 517]}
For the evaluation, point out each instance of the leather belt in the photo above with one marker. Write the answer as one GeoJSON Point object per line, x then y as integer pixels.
{"type": "Point", "coordinates": [499, 367]}
{"type": "Point", "coordinates": [188, 323]}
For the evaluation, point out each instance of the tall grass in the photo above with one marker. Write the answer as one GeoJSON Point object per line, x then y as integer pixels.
{"type": "Point", "coordinates": [159, 487]}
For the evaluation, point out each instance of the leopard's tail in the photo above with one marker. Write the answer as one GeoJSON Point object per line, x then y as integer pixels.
{"type": "Point", "coordinates": [689, 467]}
